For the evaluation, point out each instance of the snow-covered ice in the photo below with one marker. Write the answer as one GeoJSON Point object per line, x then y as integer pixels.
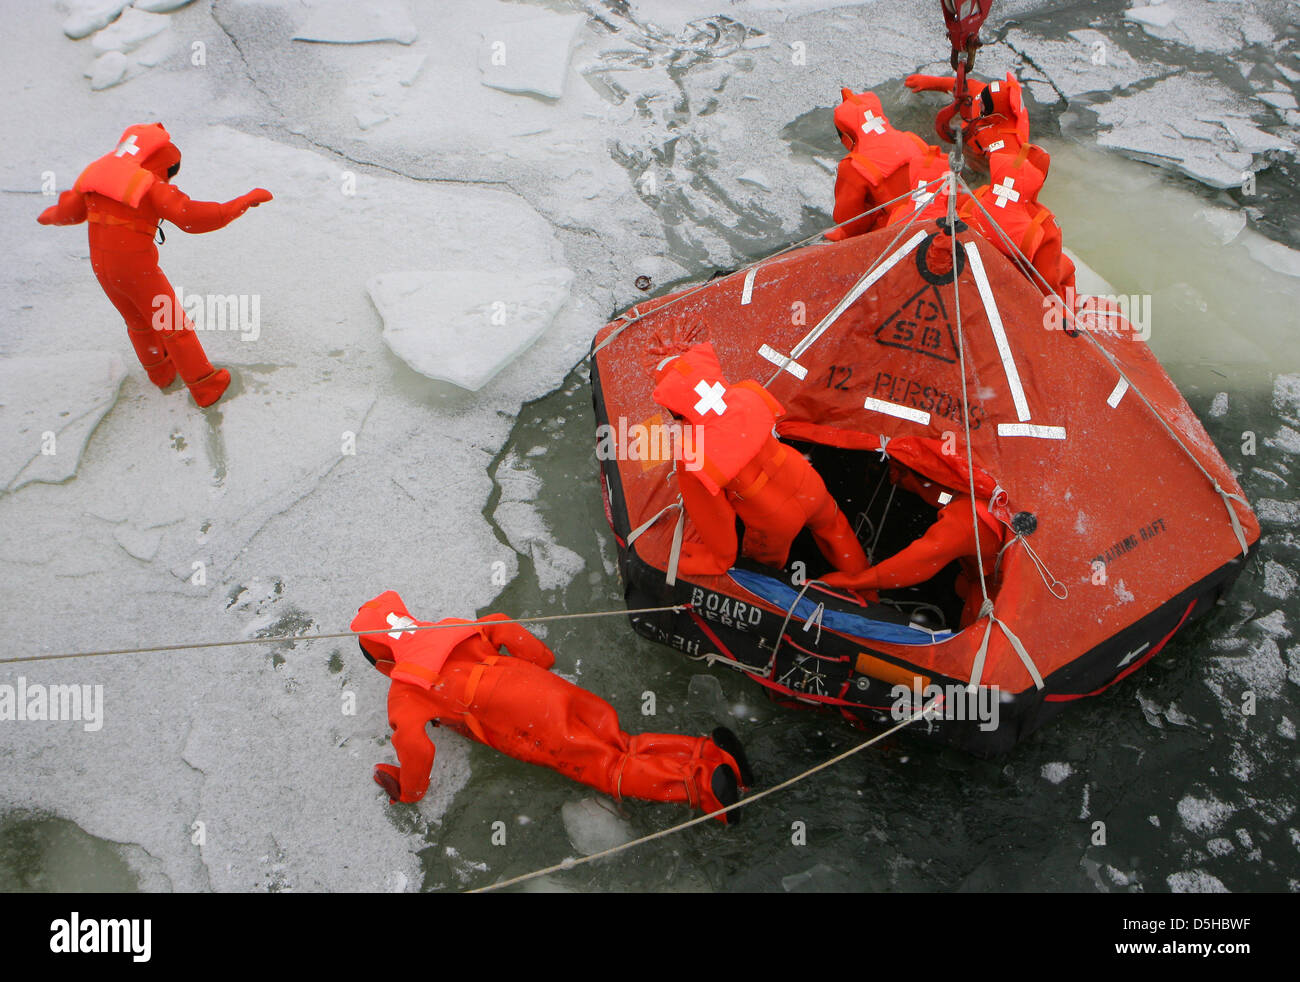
{"type": "Point", "coordinates": [529, 55]}
{"type": "Point", "coordinates": [50, 408]}
{"type": "Point", "coordinates": [347, 22]}
{"type": "Point", "coordinates": [464, 325]}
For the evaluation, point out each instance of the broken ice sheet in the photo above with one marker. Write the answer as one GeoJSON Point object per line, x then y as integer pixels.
{"type": "Point", "coordinates": [50, 408]}
{"type": "Point", "coordinates": [529, 56]}
{"type": "Point", "coordinates": [464, 326]}
{"type": "Point", "coordinates": [592, 826]}
{"type": "Point", "coordinates": [348, 22]}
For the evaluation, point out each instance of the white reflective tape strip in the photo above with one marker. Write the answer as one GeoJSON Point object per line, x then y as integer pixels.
{"type": "Point", "coordinates": [747, 294]}
{"type": "Point", "coordinates": [1031, 429]}
{"type": "Point", "coordinates": [894, 409]}
{"type": "Point", "coordinates": [781, 361]}
{"type": "Point", "coordinates": [1117, 393]}
{"type": "Point", "coordinates": [999, 332]}
{"type": "Point", "coordinates": [862, 286]}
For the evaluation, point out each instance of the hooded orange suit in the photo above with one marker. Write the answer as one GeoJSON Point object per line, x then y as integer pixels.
{"type": "Point", "coordinates": [742, 470]}
{"type": "Point", "coordinates": [123, 196]}
{"type": "Point", "coordinates": [456, 677]}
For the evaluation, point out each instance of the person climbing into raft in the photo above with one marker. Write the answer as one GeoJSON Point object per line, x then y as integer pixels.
{"type": "Point", "coordinates": [952, 538]}
{"type": "Point", "coordinates": [456, 677]}
{"type": "Point", "coordinates": [124, 195]}
{"type": "Point", "coordinates": [743, 470]}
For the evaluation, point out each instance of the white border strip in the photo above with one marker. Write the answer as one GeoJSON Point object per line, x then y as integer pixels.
{"type": "Point", "coordinates": [1117, 393]}
{"type": "Point", "coordinates": [999, 332]}
{"type": "Point", "coordinates": [1032, 429]}
{"type": "Point", "coordinates": [861, 287]}
{"type": "Point", "coordinates": [747, 294]}
{"type": "Point", "coordinates": [781, 361]}
{"type": "Point", "coordinates": [894, 409]}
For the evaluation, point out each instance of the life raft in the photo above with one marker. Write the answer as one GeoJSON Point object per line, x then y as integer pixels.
{"type": "Point", "coordinates": [1123, 523]}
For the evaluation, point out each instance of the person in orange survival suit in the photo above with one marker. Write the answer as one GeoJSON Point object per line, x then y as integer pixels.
{"type": "Point", "coordinates": [1011, 198]}
{"type": "Point", "coordinates": [456, 677]}
{"type": "Point", "coordinates": [999, 118]}
{"type": "Point", "coordinates": [123, 196]}
{"type": "Point", "coordinates": [740, 468]}
{"type": "Point", "coordinates": [875, 170]}
{"type": "Point", "coordinates": [951, 538]}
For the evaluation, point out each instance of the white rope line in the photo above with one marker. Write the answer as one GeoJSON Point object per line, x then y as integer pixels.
{"type": "Point", "coordinates": [841, 306]}
{"type": "Point", "coordinates": [749, 800]}
{"type": "Point", "coordinates": [343, 634]}
{"type": "Point", "coordinates": [629, 321]}
{"type": "Point", "coordinates": [1226, 496]}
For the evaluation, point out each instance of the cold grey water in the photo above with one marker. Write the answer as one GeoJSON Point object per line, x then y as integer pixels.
{"type": "Point", "coordinates": [682, 142]}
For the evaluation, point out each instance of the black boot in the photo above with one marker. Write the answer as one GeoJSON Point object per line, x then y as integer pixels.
{"type": "Point", "coordinates": [728, 742]}
{"type": "Point", "coordinates": [723, 785]}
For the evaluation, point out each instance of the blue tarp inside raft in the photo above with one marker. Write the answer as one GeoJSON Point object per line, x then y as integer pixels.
{"type": "Point", "coordinates": [781, 594]}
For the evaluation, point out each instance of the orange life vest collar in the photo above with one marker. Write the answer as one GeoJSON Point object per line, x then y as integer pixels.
{"type": "Point", "coordinates": [119, 174]}
{"type": "Point", "coordinates": [732, 422]}
{"type": "Point", "coordinates": [419, 655]}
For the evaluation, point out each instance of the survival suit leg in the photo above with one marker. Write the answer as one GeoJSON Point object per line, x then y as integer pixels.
{"type": "Point", "coordinates": [539, 718]}
{"type": "Point", "coordinates": [143, 287]}
{"type": "Point", "coordinates": [144, 339]}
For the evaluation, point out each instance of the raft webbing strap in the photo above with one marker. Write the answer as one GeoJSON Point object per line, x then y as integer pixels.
{"type": "Point", "coordinates": [675, 553]}
{"type": "Point", "coordinates": [629, 321]}
{"type": "Point", "coordinates": [1033, 273]}
{"type": "Point", "coordinates": [726, 655]}
{"type": "Point", "coordinates": [977, 671]}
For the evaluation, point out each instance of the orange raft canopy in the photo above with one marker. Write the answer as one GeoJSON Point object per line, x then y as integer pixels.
{"type": "Point", "coordinates": [1122, 521]}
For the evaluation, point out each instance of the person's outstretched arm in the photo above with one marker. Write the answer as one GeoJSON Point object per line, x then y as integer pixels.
{"type": "Point", "coordinates": [69, 210]}
{"type": "Point", "coordinates": [519, 642]}
{"type": "Point", "coordinates": [950, 538]}
{"type": "Point", "coordinates": [201, 216]}
{"type": "Point", "coordinates": [415, 751]}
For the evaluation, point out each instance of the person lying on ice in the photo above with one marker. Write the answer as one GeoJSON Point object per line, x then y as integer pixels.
{"type": "Point", "coordinates": [741, 469]}
{"type": "Point", "coordinates": [951, 538]}
{"type": "Point", "coordinates": [123, 196]}
{"type": "Point", "coordinates": [456, 677]}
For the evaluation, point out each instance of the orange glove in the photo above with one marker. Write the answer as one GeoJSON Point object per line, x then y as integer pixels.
{"type": "Point", "coordinates": [389, 778]}
{"type": "Point", "coordinates": [254, 197]}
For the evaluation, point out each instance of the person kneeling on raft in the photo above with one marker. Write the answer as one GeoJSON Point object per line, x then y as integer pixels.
{"type": "Point", "coordinates": [452, 673]}
{"type": "Point", "coordinates": [952, 537]}
{"type": "Point", "coordinates": [741, 469]}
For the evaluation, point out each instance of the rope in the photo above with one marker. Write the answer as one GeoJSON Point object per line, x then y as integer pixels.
{"type": "Point", "coordinates": [841, 306]}
{"type": "Point", "coordinates": [340, 634]}
{"type": "Point", "coordinates": [629, 321]}
{"type": "Point", "coordinates": [571, 863]}
{"type": "Point", "coordinates": [1225, 496]}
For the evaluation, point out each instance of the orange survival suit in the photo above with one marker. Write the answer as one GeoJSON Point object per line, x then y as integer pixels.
{"type": "Point", "coordinates": [1011, 198]}
{"type": "Point", "coordinates": [742, 469]}
{"type": "Point", "coordinates": [456, 677]}
{"type": "Point", "coordinates": [123, 196]}
{"type": "Point", "coordinates": [951, 538]}
{"type": "Point", "coordinates": [999, 118]}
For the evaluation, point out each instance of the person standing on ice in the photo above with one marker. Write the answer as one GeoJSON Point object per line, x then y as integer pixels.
{"type": "Point", "coordinates": [456, 677]}
{"type": "Point", "coordinates": [123, 196]}
{"type": "Point", "coordinates": [741, 469]}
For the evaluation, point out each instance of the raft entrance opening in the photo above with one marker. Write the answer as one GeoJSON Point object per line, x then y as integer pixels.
{"type": "Point", "coordinates": [858, 481]}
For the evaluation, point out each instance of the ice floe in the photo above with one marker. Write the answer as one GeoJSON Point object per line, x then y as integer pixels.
{"type": "Point", "coordinates": [464, 325]}
{"type": "Point", "coordinates": [531, 55]}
